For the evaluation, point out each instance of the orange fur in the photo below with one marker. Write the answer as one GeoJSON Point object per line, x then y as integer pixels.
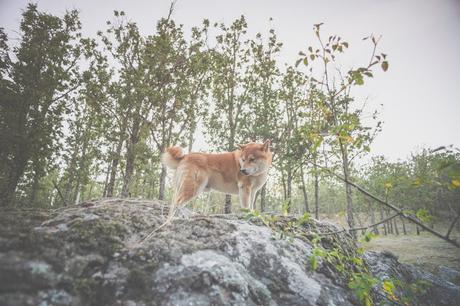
{"type": "Point", "coordinates": [241, 172]}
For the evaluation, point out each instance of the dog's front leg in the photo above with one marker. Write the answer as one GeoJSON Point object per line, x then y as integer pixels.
{"type": "Point", "coordinates": [244, 194]}
{"type": "Point", "coordinates": [252, 199]}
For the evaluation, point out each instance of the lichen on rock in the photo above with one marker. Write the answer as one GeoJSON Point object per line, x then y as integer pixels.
{"type": "Point", "coordinates": [89, 255]}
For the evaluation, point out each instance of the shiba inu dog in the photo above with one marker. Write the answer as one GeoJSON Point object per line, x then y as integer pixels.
{"type": "Point", "coordinates": [241, 172]}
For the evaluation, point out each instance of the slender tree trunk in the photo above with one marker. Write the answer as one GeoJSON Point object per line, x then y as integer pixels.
{"type": "Point", "coordinates": [130, 157]}
{"type": "Point", "coordinates": [35, 184]}
{"type": "Point", "coordinates": [372, 213]}
{"type": "Point", "coordinates": [191, 140]}
{"type": "Point", "coordinates": [289, 190]}
{"type": "Point", "coordinates": [385, 232]}
{"type": "Point", "coordinates": [228, 204]}
{"type": "Point", "coordinates": [81, 166]}
{"type": "Point", "coordinates": [304, 190]}
{"type": "Point", "coordinates": [283, 181]}
{"type": "Point", "coordinates": [346, 174]}
{"type": "Point", "coordinates": [10, 176]}
{"type": "Point", "coordinates": [161, 191]}
{"type": "Point", "coordinates": [396, 226]}
{"type": "Point", "coordinates": [404, 226]}
{"type": "Point", "coordinates": [389, 223]}
{"type": "Point", "coordinates": [106, 181]}
{"type": "Point", "coordinates": [90, 190]}
{"type": "Point", "coordinates": [231, 145]}
{"type": "Point", "coordinates": [129, 170]}
{"type": "Point", "coordinates": [113, 169]}
{"type": "Point", "coordinates": [263, 195]}
{"type": "Point", "coordinates": [316, 192]}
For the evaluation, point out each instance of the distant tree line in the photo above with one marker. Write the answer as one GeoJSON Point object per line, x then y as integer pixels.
{"type": "Point", "coordinates": [89, 117]}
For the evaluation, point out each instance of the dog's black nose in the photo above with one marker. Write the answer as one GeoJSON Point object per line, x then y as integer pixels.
{"type": "Point", "coordinates": [244, 171]}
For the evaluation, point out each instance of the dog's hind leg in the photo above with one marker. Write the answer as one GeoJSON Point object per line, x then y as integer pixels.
{"type": "Point", "coordinates": [190, 182]}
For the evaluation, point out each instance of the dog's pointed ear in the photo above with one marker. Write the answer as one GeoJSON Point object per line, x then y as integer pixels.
{"type": "Point", "coordinates": [241, 146]}
{"type": "Point", "coordinates": [267, 144]}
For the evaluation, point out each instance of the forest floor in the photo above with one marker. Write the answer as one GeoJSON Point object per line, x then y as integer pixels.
{"type": "Point", "coordinates": [424, 250]}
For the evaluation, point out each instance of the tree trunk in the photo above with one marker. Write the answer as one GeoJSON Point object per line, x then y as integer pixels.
{"type": "Point", "coordinates": [106, 181]}
{"type": "Point", "coordinates": [129, 170]}
{"type": "Point", "coordinates": [263, 195]}
{"type": "Point", "coordinates": [283, 181]}
{"type": "Point", "coordinates": [304, 191]}
{"type": "Point", "coordinates": [390, 224]}
{"type": "Point", "coordinates": [384, 224]}
{"type": "Point", "coordinates": [346, 174]}
{"type": "Point", "coordinates": [35, 184]}
{"type": "Point", "coordinates": [316, 193]}
{"type": "Point", "coordinates": [161, 192]}
{"type": "Point", "coordinates": [372, 213]}
{"type": "Point", "coordinates": [404, 226]}
{"type": "Point", "coordinates": [130, 157]}
{"type": "Point", "coordinates": [10, 176]}
{"type": "Point", "coordinates": [114, 167]}
{"type": "Point", "coordinates": [396, 226]}
{"type": "Point", "coordinates": [228, 204]}
{"type": "Point", "coordinates": [289, 191]}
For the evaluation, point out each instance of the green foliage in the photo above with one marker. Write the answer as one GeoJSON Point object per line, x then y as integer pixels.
{"type": "Point", "coordinates": [37, 78]}
{"type": "Point", "coordinates": [362, 285]}
{"type": "Point", "coordinates": [368, 237]}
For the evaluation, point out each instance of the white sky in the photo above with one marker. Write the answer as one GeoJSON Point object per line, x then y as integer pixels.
{"type": "Point", "coordinates": [419, 92]}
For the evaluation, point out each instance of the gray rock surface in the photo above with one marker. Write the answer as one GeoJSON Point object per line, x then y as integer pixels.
{"type": "Point", "coordinates": [89, 255]}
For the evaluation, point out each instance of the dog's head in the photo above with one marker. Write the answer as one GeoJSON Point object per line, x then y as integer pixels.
{"type": "Point", "coordinates": [255, 158]}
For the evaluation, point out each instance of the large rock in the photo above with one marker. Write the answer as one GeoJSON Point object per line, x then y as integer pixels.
{"type": "Point", "coordinates": [90, 255]}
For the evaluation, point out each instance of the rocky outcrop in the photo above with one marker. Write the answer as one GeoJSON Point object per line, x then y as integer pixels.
{"type": "Point", "coordinates": [90, 254]}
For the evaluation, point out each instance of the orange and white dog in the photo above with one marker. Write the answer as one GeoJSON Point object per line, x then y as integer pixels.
{"type": "Point", "coordinates": [241, 172]}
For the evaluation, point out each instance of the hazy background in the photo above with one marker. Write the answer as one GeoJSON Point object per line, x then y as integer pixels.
{"type": "Point", "coordinates": [419, 92]}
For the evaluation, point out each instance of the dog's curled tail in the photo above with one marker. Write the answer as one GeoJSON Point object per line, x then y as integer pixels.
{"type": "Point", "coordinates": [172, 156]}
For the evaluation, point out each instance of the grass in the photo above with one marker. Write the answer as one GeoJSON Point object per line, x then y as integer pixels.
{"type": "Point", "coordinates": [424, 250]}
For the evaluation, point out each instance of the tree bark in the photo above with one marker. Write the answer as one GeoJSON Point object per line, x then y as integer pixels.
{"type": "Point", "coordinates": [35, 184]}
{"type": "Point", "coordinates": [13, 175]}
{"type": "Point", "coordinates": [396, 226]}
{"type": "Point", "coordinates": [304, 190]}
{"type": "Point", "coordinates": [346, 174]}
{"type": "Point", "coordinates": [228, 204]}
{"type": "Point", "coordinates": [316, 193]}
{"type": "Point", "coordinates": [130, 157]}
{"type": "Point", "coordinates": [161, 191]}
{"type": "Point", "coordinates": [372, 213]}
{"type": "Point", "coordinates": [113, 168]}
{"type": "Point", "coordinates": [289, 190]}
{"type": "Point", "coordinates": [106, 181]}
{"type": "Point", "coordinates": [385, 232]}
{"type": "Point", "coordinates": [404, 226]}
{"type": "Point", "coordinates": [263, 195]}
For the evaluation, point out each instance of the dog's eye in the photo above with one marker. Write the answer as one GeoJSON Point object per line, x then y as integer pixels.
{"type": "Point", "coordinates": [251, 160]}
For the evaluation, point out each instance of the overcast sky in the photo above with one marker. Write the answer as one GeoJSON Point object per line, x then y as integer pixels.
{"type": "Point", "coordinates": [419, 93]}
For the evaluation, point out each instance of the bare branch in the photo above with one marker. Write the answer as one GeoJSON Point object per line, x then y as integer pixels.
{"type": "Point", "coordinates": [394, 208]}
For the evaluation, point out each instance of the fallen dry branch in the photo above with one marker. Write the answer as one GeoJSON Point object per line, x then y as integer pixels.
{"type": "Point", "coordinates": [362, 227]}
{"type": "Point", "coordinates": [451, 227]}
{"type": "Point", "coordinates": [396, 209]}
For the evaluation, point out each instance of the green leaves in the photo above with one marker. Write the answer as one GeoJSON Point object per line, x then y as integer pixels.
{"type": "Point", "coordinates": [362, 284]}
{"type": "Point", "coordinates": [423, 215]}
{"type": "Point", "coordinates": [368, 237]}
{"type": "Point", "coordinates": [384, 65]}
